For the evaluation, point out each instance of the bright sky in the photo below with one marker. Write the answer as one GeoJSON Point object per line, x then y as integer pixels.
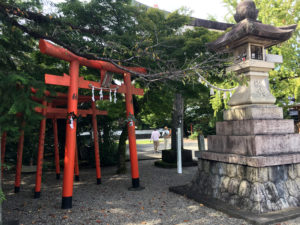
{"type": "Point", "coordinates": [200, 8]}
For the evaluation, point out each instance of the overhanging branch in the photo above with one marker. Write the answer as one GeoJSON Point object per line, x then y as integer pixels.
{"type": "Point", "coordinates": [40, 18]}
{"type": "Point", "coordinates": [12, 13]}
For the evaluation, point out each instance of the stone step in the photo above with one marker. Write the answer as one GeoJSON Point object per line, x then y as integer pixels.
{"type": "Point", "coordinates": [254, 145]}
{"type": "Point", "coordinates": [254, 161]}
{"type": "Point", "coordinates": [251, 127]}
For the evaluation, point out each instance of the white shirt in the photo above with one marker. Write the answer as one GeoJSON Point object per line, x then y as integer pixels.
{"type": "Point", "coordinates": [165, 133]}
{"type": "Point", "coordinates": [155, 135]}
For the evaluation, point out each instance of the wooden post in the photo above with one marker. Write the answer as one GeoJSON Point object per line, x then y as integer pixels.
{"type": "Point", "coordinates": [177, 119]}
{"type": "Point", "coordinates": [131, 132]}
{"type": "Point", "coordinates": [70, 137]}
{"type": "Point", "coordinates": [96, 144]}
{"type": "Point", "coordinates": [56, 149]}
{"type": "Point", "coordinates": [39, 165]}
{"type": "Point", "coordinates": [19, 159]}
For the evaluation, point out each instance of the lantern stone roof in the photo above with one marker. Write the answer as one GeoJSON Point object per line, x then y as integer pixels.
{"type": "Point", "coordinates": [248, 29]}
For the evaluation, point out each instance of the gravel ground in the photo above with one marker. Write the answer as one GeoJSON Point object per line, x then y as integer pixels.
{"type": "Point", "coordinates": [111, 202]}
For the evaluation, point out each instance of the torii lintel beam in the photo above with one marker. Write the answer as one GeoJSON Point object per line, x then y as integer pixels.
{"type": "Point", "coordinates": [65, 81]}
{"type": "Point", "coordinates": [61, 111]}
{"type": "Point", "coordinates": [61, 53]}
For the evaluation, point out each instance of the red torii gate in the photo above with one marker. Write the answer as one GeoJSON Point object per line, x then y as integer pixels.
{"type": "Point", "coordinates": [73, 81]}
{"type": "Point", "coordinates": [61, 113]}
{"type": "Point", "coordinates": [54, 113]}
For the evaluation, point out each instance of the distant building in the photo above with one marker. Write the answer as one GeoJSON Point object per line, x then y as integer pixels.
{"type": "Point", "coordinates": [195, 22]}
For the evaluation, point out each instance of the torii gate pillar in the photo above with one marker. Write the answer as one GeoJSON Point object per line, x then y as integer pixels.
{"type": "Point", "coordinates": [131, 133]}
{"type": "Point", "coordinates": [39, 165]}
{"type": "Point", "coordinates": [56, 150]}
{"type": "Point", "coordinates": [70, 137]}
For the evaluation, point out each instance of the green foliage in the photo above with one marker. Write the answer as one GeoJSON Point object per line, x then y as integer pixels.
{"type": "Point", "coordinates": [231, 6]}
{"type": "Point", "coordinates": [108, 147]}
{"type": "Point", "coordinates": [157, 106]}
{"type": "Point", "coordinates": [180, 49]}
{"type": "Point", "coordinates": [117, 30]}
{"type": "Point", "coordinates": [109, 154]}
{"type": "Point", "coordinates": [194, 136]}
{"type": "Point", "coordinates": [2, 196]}
{"type": "Point", "coordinates": [282, 79]}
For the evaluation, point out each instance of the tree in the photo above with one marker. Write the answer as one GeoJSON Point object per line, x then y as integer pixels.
{"type": "Point", "coordinates": [184, 49]}
{"type": "Point", "coordinates": [113, 31]}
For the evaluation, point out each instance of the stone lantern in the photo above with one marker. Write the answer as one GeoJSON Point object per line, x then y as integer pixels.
{"type": "Point", "coordinates": [253, 161]}
{"type": "Point", "coordinates": [247, 43]}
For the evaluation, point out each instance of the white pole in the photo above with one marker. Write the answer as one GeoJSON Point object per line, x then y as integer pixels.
{"type": "Point", "coordinates": [179, 163]}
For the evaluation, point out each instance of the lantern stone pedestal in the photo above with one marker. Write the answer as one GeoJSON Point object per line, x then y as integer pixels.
{"type": "Point", "coordinates": [253, 161]}
{"type": "Point", "coordinates": [251, 164]}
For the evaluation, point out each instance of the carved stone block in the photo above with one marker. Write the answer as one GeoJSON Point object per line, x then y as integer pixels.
{"type": "Point", "coordinates": [253, 112]}
{"type": "Point", "coordinates": [255, 145]}
{"type": "Point", "coordinates": [252, 127]}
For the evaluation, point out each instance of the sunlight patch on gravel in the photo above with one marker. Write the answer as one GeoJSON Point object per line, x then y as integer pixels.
{"type": "Point", "coordinates": [193, 208]}
{"type": "Point", "coordinates": [119, 211]}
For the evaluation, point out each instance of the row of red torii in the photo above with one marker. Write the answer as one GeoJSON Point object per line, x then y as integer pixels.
{"type": "Point", "coordinates": [73, 81]}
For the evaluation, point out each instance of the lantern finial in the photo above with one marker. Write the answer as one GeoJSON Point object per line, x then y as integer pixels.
{"type": "Point", "coordinates": [246, 9]}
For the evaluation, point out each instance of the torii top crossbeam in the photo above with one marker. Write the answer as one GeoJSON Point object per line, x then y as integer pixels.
{"type": "Point", "coordinates": [61, 53]}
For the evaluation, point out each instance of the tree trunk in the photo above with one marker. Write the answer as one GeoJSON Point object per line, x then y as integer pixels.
{"type": "Point", "coordinates": [0, 181]}
{"type": "Point", "coordinates": [122, 151]}
{"type": "Point", "coordinates": [106, 134]}
{"type": "Point", "coordinates": [177, 120]}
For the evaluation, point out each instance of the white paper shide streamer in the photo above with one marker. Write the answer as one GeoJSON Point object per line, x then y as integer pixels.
{"type": "Point", "coordinates": [212, 87]}
{"type": "Point", "coordinates": [71, 122]}
{"type": "Point", "coordinates": [115, 96]}
{"type": "Point", "coordinates": [93, 94]}
{"type": "Point", "coordinates": [101, 93]}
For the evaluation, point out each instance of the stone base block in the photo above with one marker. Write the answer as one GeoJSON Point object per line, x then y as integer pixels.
{"type": "Point", "coordinates": [252, 127]}
{"type": "Point", "coordinates": [258, 190]}
{"type": "Point", "coordinates": [254, 161]}
{"type": "Point", "coordinates": [252, 218]}
{"type": "Point", "coordinates": [253, 112]}
{"type": "Point", "coordinates": [170, 156]}
{"type": "Point", "coordinates": [255, 145]}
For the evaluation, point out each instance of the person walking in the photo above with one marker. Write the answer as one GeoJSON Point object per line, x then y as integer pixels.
{"type": "Point", "coordinates": [155, 138]}
{"type": "Point", "coordinates": [166, 135]}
